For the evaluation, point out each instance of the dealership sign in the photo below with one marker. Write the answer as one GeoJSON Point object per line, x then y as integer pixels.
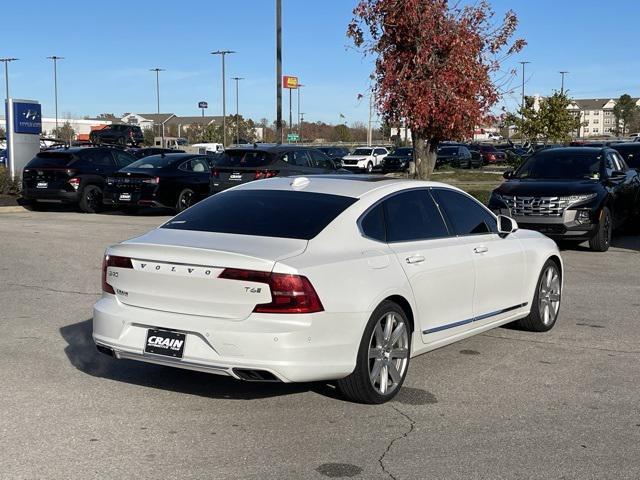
{"type": "Point", "coordinates": [290, 82]}
{"type": "Point", "coordinates": [203, 105]}
{"type": "Point", "coordinates": [27, 118]}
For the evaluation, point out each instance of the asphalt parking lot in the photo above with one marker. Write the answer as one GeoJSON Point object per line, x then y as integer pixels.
{"type": "Point", "coordinates": [505, 404]}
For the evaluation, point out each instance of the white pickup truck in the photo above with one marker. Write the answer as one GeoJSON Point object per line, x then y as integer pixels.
{"type": "Point", "coordinates": [364, 159]}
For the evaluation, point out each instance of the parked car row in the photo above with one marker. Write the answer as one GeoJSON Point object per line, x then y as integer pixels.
{"type": "Point", "coordinates": [95, 177]}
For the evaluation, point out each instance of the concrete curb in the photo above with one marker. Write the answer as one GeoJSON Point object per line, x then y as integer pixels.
{"type": "Point", "coordinates": [13, 209]}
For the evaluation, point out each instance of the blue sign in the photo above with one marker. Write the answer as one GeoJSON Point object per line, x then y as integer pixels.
{"type": "Point", "coordinates": [27, 118]}
{"type": "Point", "coordinates": [203, 105]}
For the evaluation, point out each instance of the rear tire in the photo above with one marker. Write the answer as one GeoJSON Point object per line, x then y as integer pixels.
{"type": "Point", "coordinates": [601, 241]}
{"type": "Point", "coordinates": [91, 199]}
{"type": "Point", "coordinates": [185, 199]}
{"type": "Point", "coordinates": [383, 357]}
{"type": "Point", "coordinates": [546, 301]}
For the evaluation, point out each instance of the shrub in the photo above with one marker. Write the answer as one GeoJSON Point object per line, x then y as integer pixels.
{"type": "Point", "coordinates": [7, 185]}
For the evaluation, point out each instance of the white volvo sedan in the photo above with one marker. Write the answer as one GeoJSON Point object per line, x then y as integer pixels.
{"type": "Point", "coordinates": [323, 278]}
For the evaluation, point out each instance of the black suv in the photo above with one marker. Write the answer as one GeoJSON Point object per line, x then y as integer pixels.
{"type": "Point", "coordinates": [335, 153]}
{"type": "Point", "coordinates": [240, 165]}
{"type": "Point", "coordinates": [575, 193]}
{"type": "Point", "coordinates": [73, 175]}
{"type": "Point", "coordinates": [117, 134]}
{"type": "Point", "coordinates": [630, 151]}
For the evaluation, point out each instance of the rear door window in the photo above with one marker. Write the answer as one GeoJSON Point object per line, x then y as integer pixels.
{"type": "Point", "coordinates": [465, 215]}
{"type": "Point", "coordinates": [123, 159]}
{"type": "Point", "coordinates": [264, 213]}
{"type": "Point", "coordinates": [413, 216]}
{"type": "Point", "coordinates": [51, 159]}
{"type": "Point", "coordinates": [373, 225]}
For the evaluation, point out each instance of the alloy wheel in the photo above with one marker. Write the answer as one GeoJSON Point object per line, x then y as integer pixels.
{"type": "Point", "coordinates": [186, 198]}
{"type": "Point", "coordinates": [549, 295]}
{"type": "Point", "coordinates": [388, 353]}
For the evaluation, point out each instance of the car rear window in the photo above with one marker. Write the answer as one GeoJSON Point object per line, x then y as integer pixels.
{"type": "Point", "coordinates": [263, 213]}
{"type": "Point", "coordinates": [51, 159]}
{"type": "Point", "coordinates": [151, 162]}
{"type": "Point", "coordinates": [244, 158]}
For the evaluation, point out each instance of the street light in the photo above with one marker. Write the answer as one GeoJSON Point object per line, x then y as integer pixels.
{"type": "Point", "coordinates": [6, 75]}
{"type": "Point", "coordinates": [158, 70]}
{"type": "Point", "coordinates": [55, 59]}
{"type": "Point", "coordinates": [302, 114]}
{"type": "Point", "coordinates": [237, 80]}
{"type": "Point", "coordinates": [522, 107]}
{"type": "Point", "coordinates": [299, 134]}
{"type": "Point", "coordinates": [563, 73]}
{"type": "Point", "coordinates": [223, 54]}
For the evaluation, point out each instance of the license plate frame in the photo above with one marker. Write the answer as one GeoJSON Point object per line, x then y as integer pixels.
{"type": "Point", "coordinates": [124, 197]}
{"type": "Point", "coordinates": [167, 343]}
{"type": "Point", "coordinates": [42, 185]}
{"type": "Point", "coordinates": [235, 176]}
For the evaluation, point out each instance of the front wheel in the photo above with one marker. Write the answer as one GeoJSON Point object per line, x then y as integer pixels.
{"type": "Point", "coordinates": [546, 301]}
{"type": "Point", "coordinates": [601, 241]}
{"type": "Point", "coordinates": [383, 357]}
{"type": "Point", "coordinates": [369, 167]}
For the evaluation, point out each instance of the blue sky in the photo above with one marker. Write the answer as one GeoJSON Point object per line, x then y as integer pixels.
{"type": "Point", "coordinates": [109, 48]}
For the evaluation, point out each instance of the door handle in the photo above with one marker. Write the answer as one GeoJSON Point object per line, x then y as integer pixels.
{"type": "Point", "coordinates": [415, 259]}
{"type": "Point", "coordinates": [482, 249]}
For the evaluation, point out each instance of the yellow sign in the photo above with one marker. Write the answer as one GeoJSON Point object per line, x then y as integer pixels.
{"type": "Point", "coordinates": [290, 82]}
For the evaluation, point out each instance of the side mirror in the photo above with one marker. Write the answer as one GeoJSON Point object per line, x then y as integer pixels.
{"type": "Point", "coordinates": [508, 174]}
{"type": "Point", "coordinates": [618, 174]}
{"type": "Point", "coordinates": [506, 225]}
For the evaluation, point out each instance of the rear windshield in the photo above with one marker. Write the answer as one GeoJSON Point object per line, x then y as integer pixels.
{"type": "Point", "coordinates": [244, 158]}
{"type": "Point", "coordinates": [263, 213]}
{"type": "Point", "coordinates": [447, 150]}
{"type": "Point", "coordinates": [151, 162]}
{"type": "Point", "coordinates": [52, 159]}
{"type": "Point", "coordinates": [403, 152]}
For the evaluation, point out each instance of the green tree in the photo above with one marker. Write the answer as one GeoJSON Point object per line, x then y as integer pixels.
{"type": "Point", "coordinates": [65, 133]}
{"type": "Point", "coordinates": [149, 137]}
{"type": "Point", "coordinates": [237, 126]}
{"type": "Point", "coordinates": [625, 113]}
{"type": "Point", "coordinates": [550, 120]}
{"type": "Point", "coordinates": [341, 133]}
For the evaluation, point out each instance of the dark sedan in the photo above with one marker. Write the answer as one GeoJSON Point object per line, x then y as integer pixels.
{"type": "Point", "coordinates": [335, 153]}
{"type": "Point", "coordinates": [174, 180]}
{"type": "Point", "coordinates": [465, 158]}
{"type": "Point", "coordinates": [240, 165]}
{"type": "Point", "coordinates": [148, 151]}
{"type": "Point", "coordinates": [398, 160]}
{"type": "Point", "coordinates": [575, 193]}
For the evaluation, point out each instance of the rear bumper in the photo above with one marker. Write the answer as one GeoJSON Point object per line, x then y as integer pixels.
{"type": "Point", "coordinates": [50, 195]}
{"type": "Point", "coordinates": [298, 348]}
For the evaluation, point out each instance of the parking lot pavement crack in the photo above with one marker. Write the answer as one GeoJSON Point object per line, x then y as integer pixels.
{"type": "Point", "coordinates": [581, 347]}
{"type": "Point", "coordinates": [47, 289]}
{"type": "Point", "coordinates": [412, 424]}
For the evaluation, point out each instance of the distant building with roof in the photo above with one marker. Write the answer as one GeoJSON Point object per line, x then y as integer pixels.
{"type": "Point", "coordinates": [596, 115]}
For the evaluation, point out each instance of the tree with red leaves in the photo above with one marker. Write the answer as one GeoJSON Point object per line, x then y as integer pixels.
{"type": "Point", "coordinates": [434, 66]}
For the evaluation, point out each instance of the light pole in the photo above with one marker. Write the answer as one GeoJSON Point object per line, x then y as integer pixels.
{"type": "Point", "coordinates": [563, 73]}
{"type": "Point", "coordinates": [237, 80]}
{"type": "Point", "coordinates": [158, 70]}
{"type": "Point", "coordinates": [299, 87]}
{"type": "Point", "coordinates": [279, 133]}
{"type": "Point", "coordinates": [522, 106]}
{"type": "Point", "coordinates": [300, 125]}
{"type": "Point", "coordinates": [6, 61]}
{"type": "Point", "coordinates": [55, 59]}
{"type": "Point", "coordinates": [223, 54]}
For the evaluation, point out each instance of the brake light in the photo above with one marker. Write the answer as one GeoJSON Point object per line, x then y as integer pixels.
{"type": "Point", "coordinates": [491, 156]}
{"type": "Point", "coordinates": [265, 174]}
{"type": "Point", "coordinates": [215, 173]}
{"type": "Point", "coordinates": [74, 182]}
{"type": "Point", "coordinates": [289, 293]}
{"type": "Point", "coordinates": [113, 261]}
{"type": "Point", "coordinates": [152, 181]}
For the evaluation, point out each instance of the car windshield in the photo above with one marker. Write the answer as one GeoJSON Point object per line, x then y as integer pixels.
{"type": "Point", "coordinates": [51, 159]}
{"type": "Point", "coordinates": [151, 162]}
{"type": "Point", "coordinates": [559, 165]}
{"type": "Point", "coordinates": [244, 158]}
{"type": "Point", "coordinates": [362, 151]}
{"type": "Point", "coordinates": [403, 152]}
{"type": "Point", "coordinates": [447, 150]}
{"type": "Point", "coordinates": [264, 213]}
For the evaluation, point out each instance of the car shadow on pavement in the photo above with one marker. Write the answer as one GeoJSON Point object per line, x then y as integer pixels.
{"type": "Point", "coordinates": [82, 354]}
{"type": "Point", "coordinates": [624, 242]}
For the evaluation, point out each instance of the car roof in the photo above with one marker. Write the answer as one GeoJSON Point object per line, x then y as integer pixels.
{"type": "Point", "coordinates": [268, 147]}
{"type": "Point", "coordinates": [574, 150]}
{"type": "Point", "coordinates": [355, 186]}
{"type": "Point", "coordinates": [72, 150]}
{"type": "Point", "coordinates": [175, 156]}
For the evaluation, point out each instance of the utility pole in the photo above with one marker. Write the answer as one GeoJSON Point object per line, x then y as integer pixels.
{"type": "Point", "coordinates": [522, 105]}
{"type": "Point", "coordinates": [279, 131]}
{"type": "Point", "coordinates": [223, 54]}
{"type": "Point", "coordinates": [562, 87]}
{"type": "Point", "coordinates": [158, 70]}
{"type": "Point", "coordinates": [300, 125]}
{"type": "Point", "coordinates": [299, 134]}
{"type": "Point", "coordinates": [369, 131]}
{"type": "Point", "coordinates": [237, 80]}
{"type": "Point", "coordinates": [6, 77]}
{"type": "Point", "coordinates": [55, 59]}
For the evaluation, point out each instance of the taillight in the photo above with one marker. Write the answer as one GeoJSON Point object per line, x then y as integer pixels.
{"type": "Point", "coordinates": [491, 156]}
{"type": "Point", "coordinates": [289, 293]}
{"type": "Point", "coordinates": [113, 261]}
{"type": "Point", "coordinates": [74, 182]}
{"type": "Point", "coordinates": [265, 174]}
{"type": "Point", "coordinates": [215, 173]}
{"type": "Point", "coordinates": [152, 181]}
